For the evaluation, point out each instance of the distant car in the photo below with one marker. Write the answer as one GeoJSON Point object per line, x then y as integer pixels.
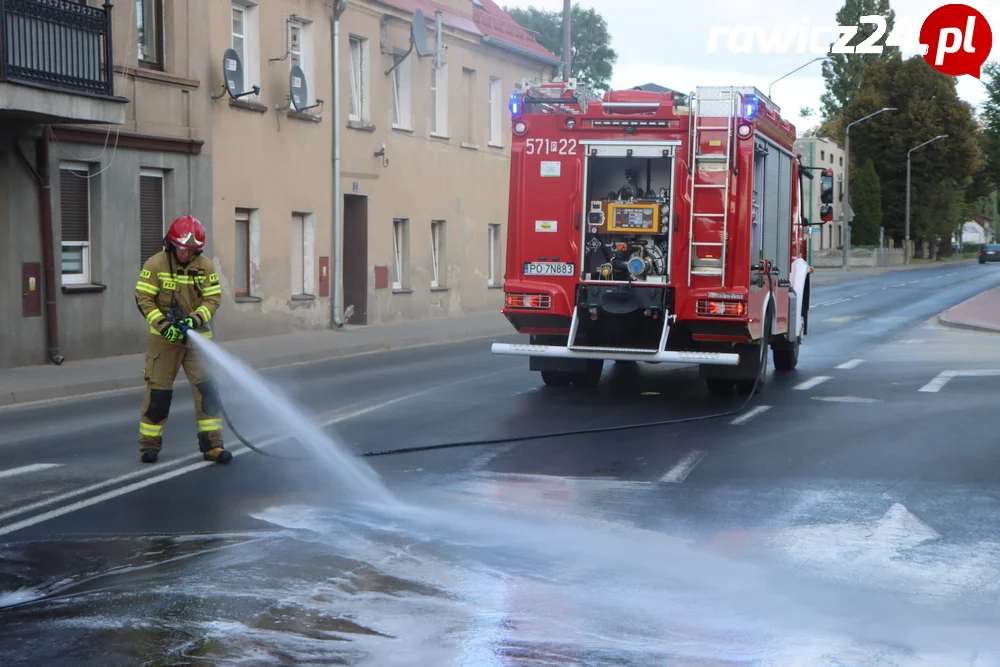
{"type": "Point", "coordinates": [990, 253]}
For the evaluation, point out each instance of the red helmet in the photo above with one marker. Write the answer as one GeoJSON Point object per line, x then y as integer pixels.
{"type": "Point", "coordinates": [187, 232]}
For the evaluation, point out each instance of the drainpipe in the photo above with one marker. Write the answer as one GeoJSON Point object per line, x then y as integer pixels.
{"type": "Point", "coordinates": [40, 173]}
{"type": "Point", "coordinates": [338, 222]}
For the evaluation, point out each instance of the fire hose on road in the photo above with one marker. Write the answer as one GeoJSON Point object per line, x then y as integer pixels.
{"type": "Point", "coordinates": [179, 321]}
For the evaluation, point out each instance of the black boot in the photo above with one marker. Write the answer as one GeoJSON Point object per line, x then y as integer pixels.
{"type": "Point", "coordinates": [149, 455]}
{"type": "Point", "coordinates": [219, 455]}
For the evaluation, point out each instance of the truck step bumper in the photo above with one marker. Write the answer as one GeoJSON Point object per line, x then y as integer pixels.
{"type": "Point", "coordinates": [561, 352]}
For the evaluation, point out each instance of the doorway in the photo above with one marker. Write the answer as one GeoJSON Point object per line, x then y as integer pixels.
{"type": "Point", "coordinates": [356, 258]}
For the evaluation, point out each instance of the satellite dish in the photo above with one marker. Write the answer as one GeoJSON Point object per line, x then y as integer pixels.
{"type": "Point", "coordinates": [232, 71]}
{"type": "Point", "coordinates": [418, 34]}
{"type": "Point", "coordinates": [298, 89]}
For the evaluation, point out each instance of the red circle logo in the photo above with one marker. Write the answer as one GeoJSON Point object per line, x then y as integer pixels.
{"type": "Point", "coordinates": [958, 40]}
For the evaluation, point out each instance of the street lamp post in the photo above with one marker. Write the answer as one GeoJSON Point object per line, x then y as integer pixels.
{"type": "Point", "coordinates": [848, 214]}
{"type": "Point", "coordinates": [793, 72]}
{"type": "Point", "coordinates": [906, 234]}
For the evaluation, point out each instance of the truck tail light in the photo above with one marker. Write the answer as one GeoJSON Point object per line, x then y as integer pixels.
{"type": "Point", "coordinates": [529, 301]}
{"type": "Point", "coordinates": [721, 308]}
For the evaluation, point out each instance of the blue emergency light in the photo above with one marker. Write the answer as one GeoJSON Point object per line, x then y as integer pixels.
{"type": "Point", "coordinates": [515, 104]}
{"type": "Point", "coordinates": [750, 103]}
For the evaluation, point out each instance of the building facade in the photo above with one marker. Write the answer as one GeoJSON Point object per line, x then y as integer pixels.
{"type": "Point", "coordinates": [107, 114]}
{"type": "Point", "coordinates": [426, 155]}
{"type": "Point", "coordinates": [826, 153]}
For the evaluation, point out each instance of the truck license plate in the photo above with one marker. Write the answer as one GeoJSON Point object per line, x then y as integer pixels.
{"type": "Point", "coordinates": [548, 269]}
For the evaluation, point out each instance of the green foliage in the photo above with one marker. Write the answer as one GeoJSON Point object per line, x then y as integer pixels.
{"type": "Point", "coordinates": [990, 116]}
{"type": "Point", "coordinates": [844, 71]}
{"type": "Point", "coordinates": [927, 106]}
{"type": "Point", "coordinates": [866, 193]}
{"type": "Point", "coordinates": [593, 58]}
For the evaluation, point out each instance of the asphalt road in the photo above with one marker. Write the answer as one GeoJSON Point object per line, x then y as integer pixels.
{"type": "Point", "coordinates": [849, 514]}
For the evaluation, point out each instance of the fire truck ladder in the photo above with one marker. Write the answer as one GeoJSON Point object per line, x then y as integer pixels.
{"type": "Point", "coordinates": [718, 102]}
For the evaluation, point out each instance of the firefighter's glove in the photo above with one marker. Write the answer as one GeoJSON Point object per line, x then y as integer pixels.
{"type": "Point", "coordinates": [190, 322]}
{"type": "Point", "coordinates": [172, 333]}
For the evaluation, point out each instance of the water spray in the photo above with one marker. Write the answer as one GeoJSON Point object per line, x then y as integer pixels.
{"type": "Point", "coordinates": [509, 439]}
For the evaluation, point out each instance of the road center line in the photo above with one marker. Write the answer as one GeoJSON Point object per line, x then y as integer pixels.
{"type": "Point", "coordinates": [34, 467]}
{"type": "Point", "coordinates": [848, 365]}
{"type": "Point", "coordinates": [236, 448]}
{"type": "Point", "coordinates": [809, 384]}
{"type": "Point", "coordinates": [679, 472]}
{"type": "Point", "coordinates": [750, 414]}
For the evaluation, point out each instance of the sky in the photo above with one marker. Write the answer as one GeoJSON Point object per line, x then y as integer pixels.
{"type": "Point", "coordinates": [668, 42]}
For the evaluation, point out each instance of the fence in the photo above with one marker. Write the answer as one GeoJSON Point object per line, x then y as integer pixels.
{"type": "Point", "coordinates": [57, 44]}
{"type": "Point", "coordinates": [829, 259]}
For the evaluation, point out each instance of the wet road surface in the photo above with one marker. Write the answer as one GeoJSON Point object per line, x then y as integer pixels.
{"type": "Point", "coordinates": [848, 515]}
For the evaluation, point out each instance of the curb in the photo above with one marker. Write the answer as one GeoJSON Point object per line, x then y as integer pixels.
{"type": "Point", "coordinates": [955, 324]}
{"type": "Point", "coordinates": [117, 385]}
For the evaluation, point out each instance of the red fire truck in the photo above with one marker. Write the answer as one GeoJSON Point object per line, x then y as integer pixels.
{"type": "Point", "coordinates": [656, 227]}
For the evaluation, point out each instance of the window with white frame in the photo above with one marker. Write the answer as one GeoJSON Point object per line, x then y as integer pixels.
{"type": "Point", "coordinates": [300, 50]}
{"type": "Point", "coordinates": [246, 250]}
{"type": "Point", "coordinates": [246, 42]}
{"type": "Point", "coordinates": [496, 258]}
{"type": "Point", "coordinates": [401, 90]}
{"type": "Point", "coordinates": [439, 265]}
{"type": "Point", "coordinates": [359, 80]}
{"type": "Point", "coordinates": [496, 111]}
{"type": "Point", "coordinates": [439, 100]}
{"type": "Point", "coordinates": [301, 244]}
{"type": "Point", "coordinates": [74, 203]}
{"type": "Point", "coordinates": [400, 253]}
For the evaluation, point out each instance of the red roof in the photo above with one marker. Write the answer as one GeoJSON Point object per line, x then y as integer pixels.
{"type": "Point", "coordinates": [488, 21]}
{"type": "Point", "coordinates": [496, 23]}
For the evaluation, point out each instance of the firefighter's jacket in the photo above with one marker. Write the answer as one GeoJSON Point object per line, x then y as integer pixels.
{"type": "Point", "coordinates": [165, 284]}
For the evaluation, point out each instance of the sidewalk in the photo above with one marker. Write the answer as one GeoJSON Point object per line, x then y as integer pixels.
{"type": "Point", "coordinates": [980, 313]}
{"type": "Point", "coordinates": [829, 276]}
{"type": "Point", "coordinates": [76, 378]}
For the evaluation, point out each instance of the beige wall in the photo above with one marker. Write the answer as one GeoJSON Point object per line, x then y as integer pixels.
{"type": "Point", "coordinates": [169, 99]}
{"type": "Point", "coordinates": [455, 175]}
{"type": "Point", "coordinates": [274, 163]}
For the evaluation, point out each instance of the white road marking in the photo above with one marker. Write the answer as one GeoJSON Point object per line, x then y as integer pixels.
{"type": "Point", "coordinates": [809, 384]}
{"type": "Point", "coordinates": [848, 365]}
{"type": "Point", "coordinates": [900, 285]}
{"type": "Point", "coordinates": [750, 414]}
{"type": "Point", "coordinates": [858, 296]}
{"type": "Point", "coordinates": [237, 450]}
{"type": "Point", "coordinates": [944, 377]}
{"type": "Point", "coordinates": [914, 282]}
{"type": "Point", "coordinates": [832, 303]}
{"type": "Point", "coordinates": [34, 467]}
{"type": "Point", "coordinates": [679, 472]}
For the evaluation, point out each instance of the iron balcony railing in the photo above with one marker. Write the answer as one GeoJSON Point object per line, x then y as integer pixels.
{"type": "Point", "coordinates": [59, 45]}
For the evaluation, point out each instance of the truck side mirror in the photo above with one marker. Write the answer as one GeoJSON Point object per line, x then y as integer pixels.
{"type": "Point", "coordinates": [826, 213]}
{"type": "Point", "coordinates": [826, 187]}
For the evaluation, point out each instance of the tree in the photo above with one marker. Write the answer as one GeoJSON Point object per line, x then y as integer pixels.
{"type": "Point", "coordinates": [844, 71]}
{"type": "Point", "coordinates": [866, 193]}
{"type": "Point", "coordinates": [927, 106]}
{"type": "Point", "coordinates": [990, 116]}
{"type": "Point", "coordinates": [593, 58]}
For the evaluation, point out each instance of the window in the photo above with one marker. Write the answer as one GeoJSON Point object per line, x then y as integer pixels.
{"type": "Point", "coordinates": [298, 254]}
{"type": "Point", "coordinates": [151, 215]}
{"type": "Point", "coordinates": [401, 91]}
{"type": "Point", "coordinates": [439, 266]}
{"type": "Point", "coordinates": [300, 51]}
{"type": "Point", "coordinates": [495, 257]}
{"type": "Point", "coordinates": [241, 256]}
{"type": "Point", "coordinates": [496, 112]}
{"type": "Point", "coordinates": [74, 202]}
{"type": "Point", "coordinates": [439, 101]}
{"type": "Point", "coordinates": [469, 88]}
{"type": "Point", "coordinates": [400, 253]}
{"type": "Point", "coordinates": [149, 26]}
{"type": "Point", "coordinates": [822, 155]}
{"type": "Point", "coordinates": [359, 80]}
{"type": "Point", "coordinates": [246, 44]}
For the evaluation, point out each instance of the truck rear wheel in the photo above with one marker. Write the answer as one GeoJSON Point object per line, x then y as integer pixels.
{"type": "Point", "coordinates": [786, 356]}
{"type": "Point", "coordinates": [591, 377]}
{"type": "Point", "coordinates": [557, 378]}
{"type": "Point", "coordinates": [745, 387]}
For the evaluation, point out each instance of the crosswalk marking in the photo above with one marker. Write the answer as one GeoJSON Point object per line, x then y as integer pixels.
{"type": "Point", "coordinates": [34, 467]}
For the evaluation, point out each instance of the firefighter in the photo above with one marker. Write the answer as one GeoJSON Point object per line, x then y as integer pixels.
{"type": "Point", "coordinates": [181, 281]}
